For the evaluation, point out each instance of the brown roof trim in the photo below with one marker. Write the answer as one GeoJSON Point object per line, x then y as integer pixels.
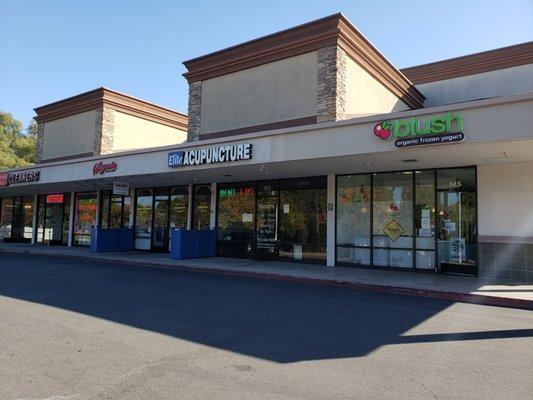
{"type": "Point", "coordinates": [334, 29]}
{"type": "Point", "coordinates": [71, 157]}
{"type": "Point", "coordinates": [505, 57]}
{"type": "Point", "coordinates": [118, 101]}
{"type": "Point", "coordinates": [290, 123]}
{"type": "Point", "coordinates": [367, 56]}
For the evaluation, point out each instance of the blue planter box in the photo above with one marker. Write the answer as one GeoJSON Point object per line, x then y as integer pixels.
{"type": "Point", "coordinates": [192, 244]}
{"type": "Point", "coordinates": [107, 240]}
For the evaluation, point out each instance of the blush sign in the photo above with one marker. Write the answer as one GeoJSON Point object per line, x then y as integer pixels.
{"type": "Point", "coordinates": [54, 199]}
{"type": "Point", "coordinates": [101, 168]}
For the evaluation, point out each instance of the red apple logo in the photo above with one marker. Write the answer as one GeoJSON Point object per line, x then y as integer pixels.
{"type": "Point", "coordinates": [382, 130]}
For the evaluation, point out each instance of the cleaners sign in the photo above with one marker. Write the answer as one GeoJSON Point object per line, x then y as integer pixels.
{"type": "Point", "coordinates": [212, 155]}
{"type": "Point", "coordinates": [413, 131]}
{"type": "Point", "coordinates": [19, 177]}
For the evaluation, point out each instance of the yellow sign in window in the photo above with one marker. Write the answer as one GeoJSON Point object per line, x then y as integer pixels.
{"type": "Point", "coordinates": [393, 230]}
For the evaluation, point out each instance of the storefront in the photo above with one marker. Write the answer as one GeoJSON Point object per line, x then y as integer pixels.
{"type": "Point", "coordinates": [53, 215]}
{"type": "Point", "coordinates": [85, 206]}
{"type": "Point", "coordinates": [276, 219]}
{"type": "Point", "coordinates": [334, 158]}
{"type": "Point", "coordinates": [160, 210]}
{"type": "Point", "coordinates": [16, 219]}
{"type": "Point", "coordinates": [423, 220]}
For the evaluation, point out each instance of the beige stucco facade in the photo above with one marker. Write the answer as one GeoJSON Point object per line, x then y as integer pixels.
{"type": "Point", "coordinates": [277, 91]}
{"type": "Point", "coordinates": [131, 133]}
{"type": "Point", "coordinates": [505, 199]}
{"type": "Point", "coordinates": [484, 85]}
{"type": "Point", "coordinates": [364, 95]}
{"type": "Point", "coordinates": [72, 135]}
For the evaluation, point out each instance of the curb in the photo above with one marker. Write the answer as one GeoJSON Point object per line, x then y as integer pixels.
{"type": "Point", "coordinates": [436, 294]}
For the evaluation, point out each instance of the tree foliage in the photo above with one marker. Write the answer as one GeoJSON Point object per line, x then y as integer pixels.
{"type": "Point", "coordinates": [17, 147]}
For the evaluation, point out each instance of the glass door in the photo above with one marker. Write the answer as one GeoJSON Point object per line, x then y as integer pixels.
{"type": "Point", "coordinates": [53, 224]}
{"type": "Point", "coordinates": [236, 220]}
{"type": "Point", "coordinates": [160, 231]}
{"type": "Point", "coordinates": [303, 214]}
{"type": "Point", "coordinates": [457, 235]}
{"type": "Point", "coordinates": [266, 244]}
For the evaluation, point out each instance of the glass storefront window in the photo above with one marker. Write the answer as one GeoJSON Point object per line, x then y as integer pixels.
{"type": "Point", "coordinates": [202, 207]}
{"type": "Point", "coordinates": [66, 218]}
{"type": "Point", "coordinates": [16, 218]}
{"type": "Point", "coordinates": [27, 217]}
{"type": "Point", "coordinates": [404, 236]}
{"type": "Point", "coordinates": [160, 234]}
{"type": "Point", "coordinates": [353, 219]}
{"type": "Point", "coordinates": [425, 219]}
{"type": "Point", "coordinates": [303, 205]}
{"type": "Point", "coordinates": [104, 210]}
{"type": "Point", "coordinates": [115, 212]}
{"type": "Point", "coordinates": [84, 217]}
{"type": "Point", "coordinates": [40, 218]}
{"type": "Point", "coordinates": [393, 219]}
{"type": "Point", "coordinates": [143, 214]}
{"type": "Point", "coordinates": [266, 240]}
{"type": "Point", "coordinates": [179, 207]}
{"type": "Point", "coordinates": [126, 212]}
{"type": "Point", "coordinates": [6, 217]}
{"type": "Point", "coordinates": [236, 216]}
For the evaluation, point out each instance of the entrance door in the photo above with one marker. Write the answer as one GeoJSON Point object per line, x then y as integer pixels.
{"type": "Point", "coordinates": [266, 243]}
{"type": "Point", "coordinates": [456, 217]}
{"type": "Point", "coordinates": [160, 231]}
{"type": "Point", "coordinates": [53, 224]}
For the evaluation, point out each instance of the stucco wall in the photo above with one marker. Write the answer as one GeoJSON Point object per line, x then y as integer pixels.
{"type": "Point", "coordinates": [278, 91]}
{"type": "Point", "coordinates": [505, 199]}
{"type": "Point", "coordinates": [478, 86]}
{"type": "Point", "coordinates": [365, 95]}
{"type": "Point", "coordinates": [69, 136]}
{"type": "Point", "coordinates": [135, 133]}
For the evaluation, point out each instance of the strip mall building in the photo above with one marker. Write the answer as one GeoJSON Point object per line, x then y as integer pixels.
{"type": "Point", "coordinates": [305, 145]}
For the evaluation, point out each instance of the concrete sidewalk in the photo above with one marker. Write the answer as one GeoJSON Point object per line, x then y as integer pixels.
{"type": "Point", "coordinates": [458, 288]}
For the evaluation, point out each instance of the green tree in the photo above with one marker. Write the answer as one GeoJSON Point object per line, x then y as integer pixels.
{"type": "Point", "coordinates": [17, 148]}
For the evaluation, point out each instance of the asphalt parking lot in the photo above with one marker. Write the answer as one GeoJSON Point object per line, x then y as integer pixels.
{"type": "Point", "coordinates": [85, 330]}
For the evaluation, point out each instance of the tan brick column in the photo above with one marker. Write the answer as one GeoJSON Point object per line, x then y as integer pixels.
{"type": "Point", "coordinates": [103, 131]}
{"type": "Point", "coordinates": [195, 104]}
{"type": "Point", "coordinates": [331, 88]}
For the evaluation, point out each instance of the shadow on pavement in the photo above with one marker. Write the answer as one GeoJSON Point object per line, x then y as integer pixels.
{"type": "Point", "coordinates": [278, 321]}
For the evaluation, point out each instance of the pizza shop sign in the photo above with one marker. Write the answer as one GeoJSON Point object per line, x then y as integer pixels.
{"type": "Point", "coordinates": [417, 131]}
{"type": "Point", "coordinates": [19, 177]}
{"type": "Point", "coordinates": [101, 168]}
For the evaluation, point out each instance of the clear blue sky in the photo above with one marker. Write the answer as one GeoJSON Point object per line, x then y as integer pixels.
{"type": "Point", "coordinates": [52, 49]}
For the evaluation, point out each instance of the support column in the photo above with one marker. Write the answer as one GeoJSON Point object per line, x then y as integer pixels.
{"type": "Point", "coordinates": [213, 208]}
{"type": "Point", "coordinates": [98, 206]}
{"type": "Point", "coordinates": [132, 207]}
{"type": "Point", "coordinates": [35, 230]}
{"type": "Point", "coordinates": [330, 247]}
{"type": "Point", "coordinates": [189, 209]}
{"type": "Point", "coordinates": [70, 239]}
